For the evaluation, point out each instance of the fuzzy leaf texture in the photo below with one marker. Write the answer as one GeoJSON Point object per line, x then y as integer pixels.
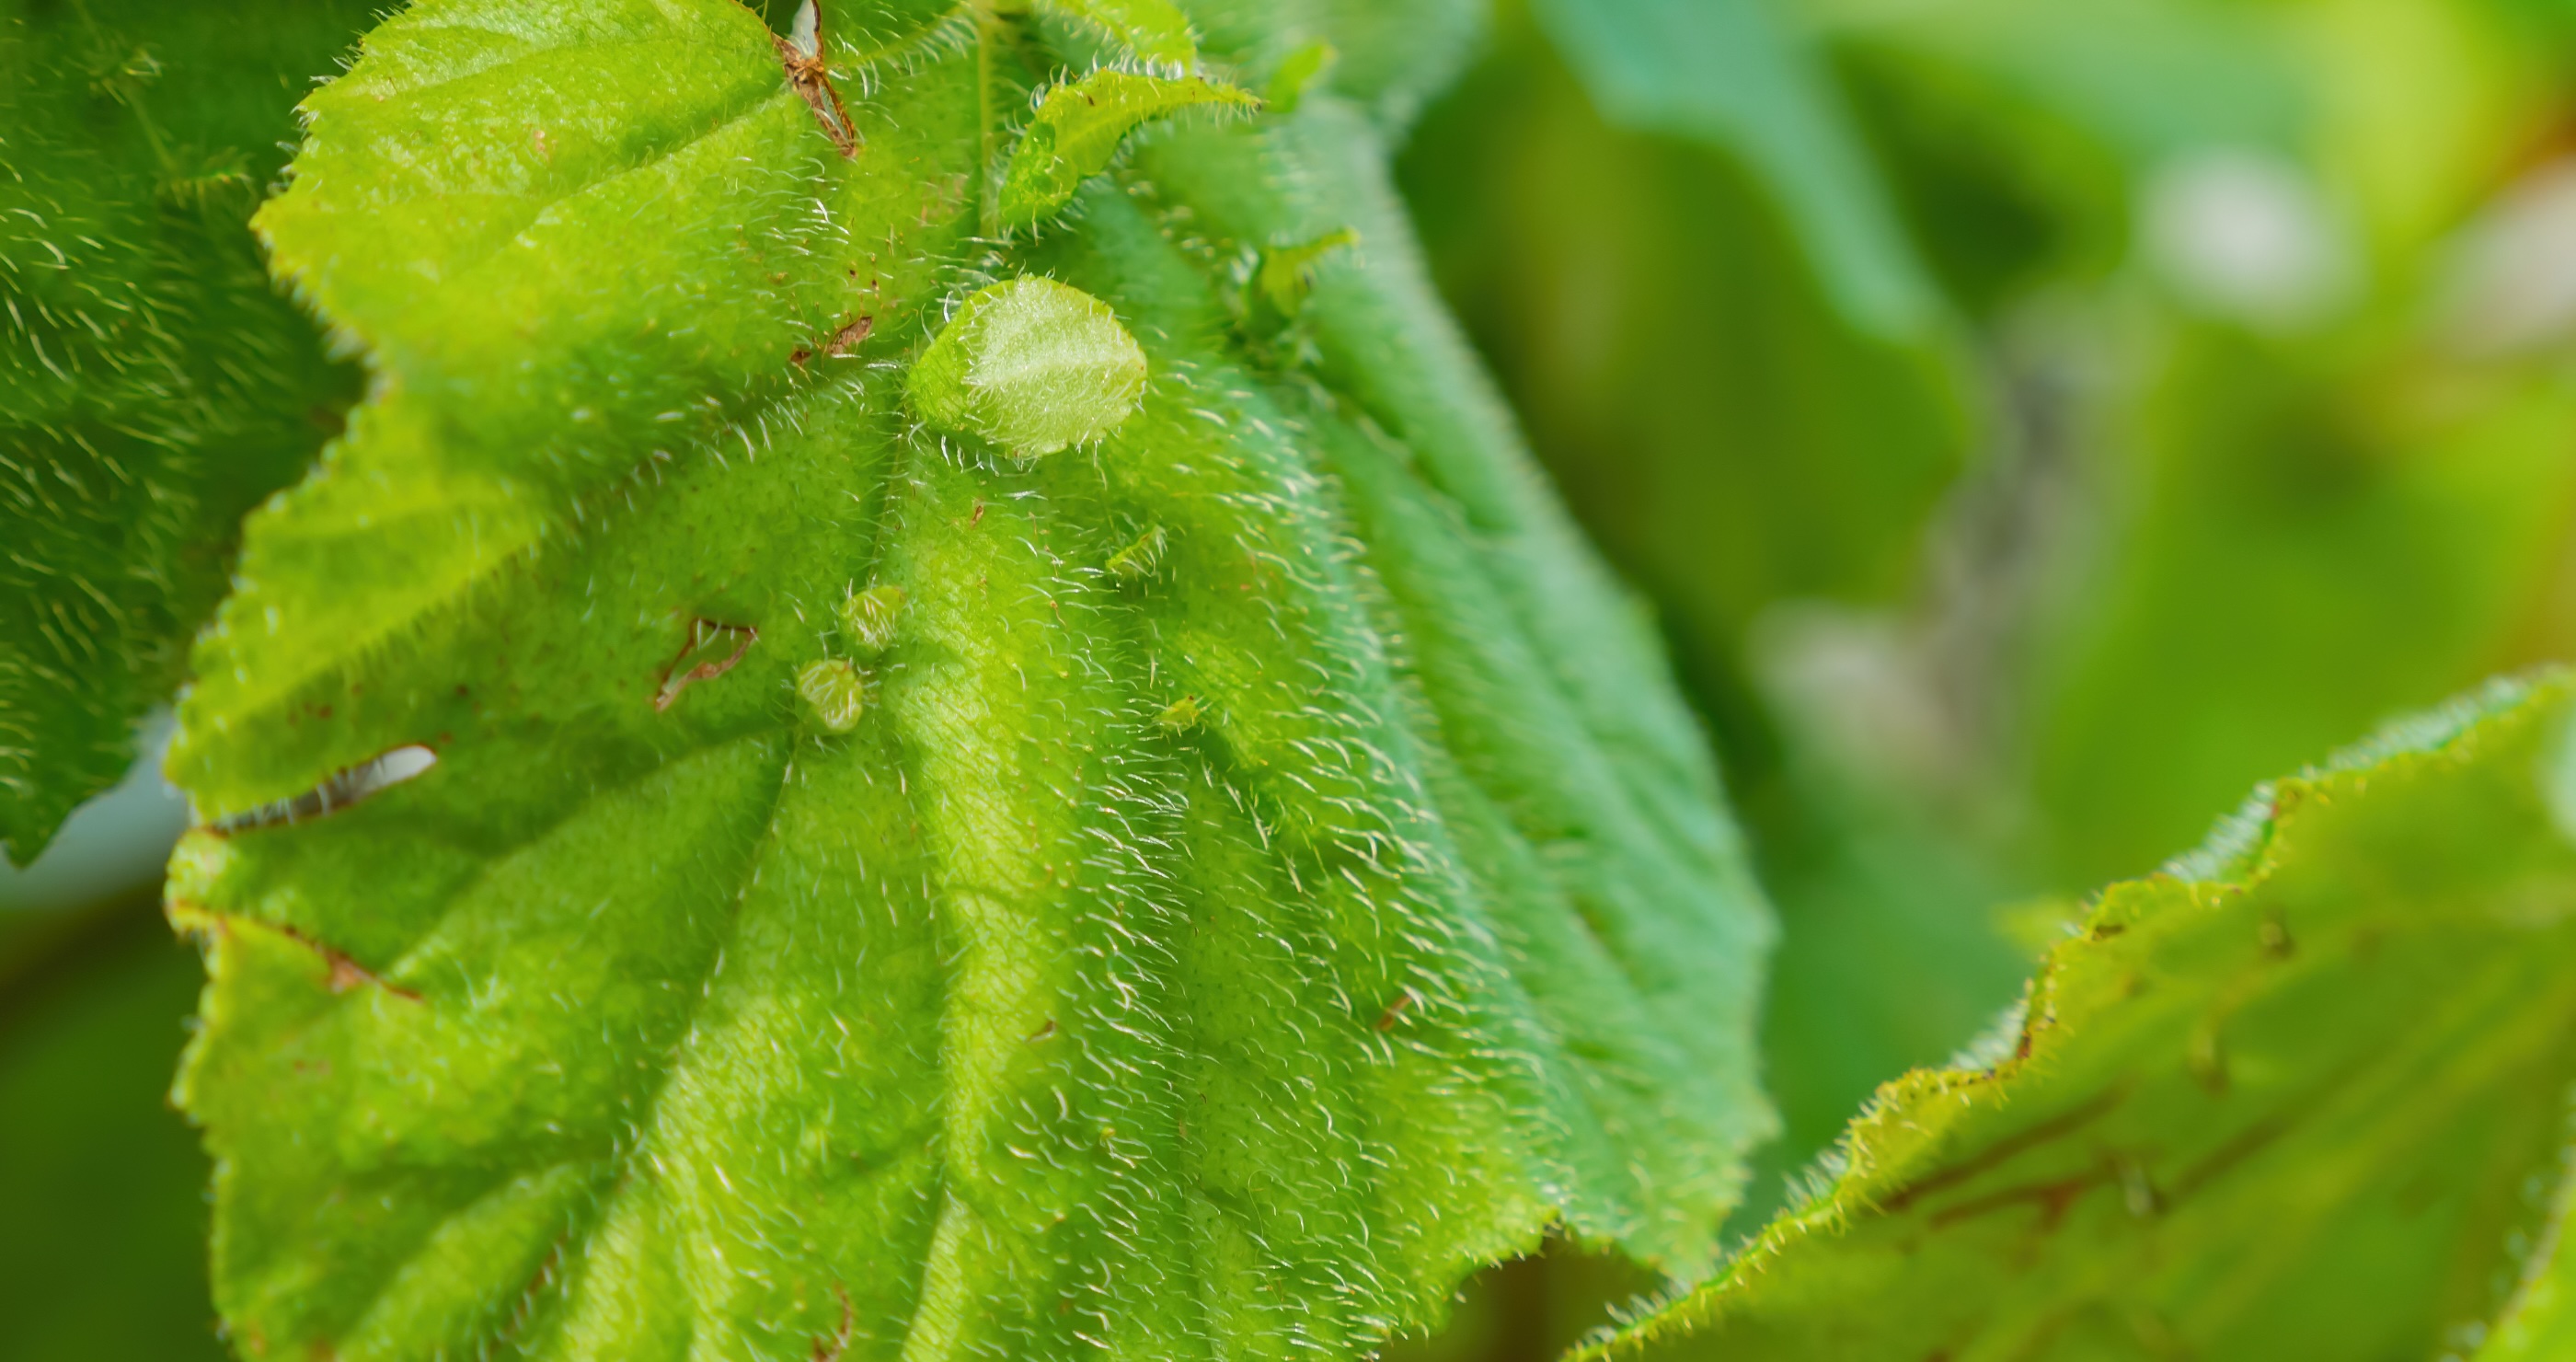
{"type": "Point", "coordinates": [2303, 1094]}
{"type": "Point", "coordinates": [153, 386]}
{"type": "Point", "coordinates": [713, 857]}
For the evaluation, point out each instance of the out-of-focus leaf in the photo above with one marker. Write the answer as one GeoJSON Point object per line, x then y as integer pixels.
{"type": "Point", "coordinates": [1729, 435]}
{"type": "Point", "coordinates": [1889, 959]}
{"type": "Point", "coordinates": [2020, 137]}
{"type": "Point", "coordinates": [2147, 78]}
{"type": "Point", "coordinates": [2287, 1098]}
{"type": "Point", "coordinates": [2316, 544]}
{"type": "Point", "coordinates": [795, 881]}
{"type": "Point", "coordinates": [1032, 366]}
{"type": "Point", "coordinates": [1734, 74]}
{"type": "Point", "coordinates": [1152, 29]}
{"type": "Point", "coordinates": [101, 1183]}
{"type": "Point", "coordinates": [153, 386]}
{"type": "Point", "coordinates": [1734, 440]}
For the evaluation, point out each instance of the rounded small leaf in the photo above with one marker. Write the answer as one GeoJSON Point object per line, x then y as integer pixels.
{"type": "Point", "coordinates": [869, 618]}
{"type": "Point", "coordinates": [1033, 366]}
{"type": "Point", "coordinates": [834, 694]}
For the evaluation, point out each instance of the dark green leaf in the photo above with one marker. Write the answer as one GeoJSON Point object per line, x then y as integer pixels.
{"type": "Point", "coordinates": [153, 387]}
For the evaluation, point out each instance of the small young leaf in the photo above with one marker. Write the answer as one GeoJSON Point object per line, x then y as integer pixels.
{"type": "Point", "coordinates": [1079, 126]}
{"type": "Point", "coordinates": [1031, 365]}
{"type": "Point", "coordinates": [1288, 272]}
{"type": "Point", "coordinates": [2287, 1098]}
{"type": "Point", "coordinates": [1304, 69]}
{"type": "Point", "coordinates": [870, 618]}
{"type": "Point", "coordinates": [834, 693]}
{"type": "Point", "coordinates": [1152, 29]}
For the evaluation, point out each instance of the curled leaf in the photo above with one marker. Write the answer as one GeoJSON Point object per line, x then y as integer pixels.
{"type": "Point", "coordinates": [834, 693]}
{"type": "Point", "coordinates": [1304, 70]}
{"type": "Point", "coordinates": [1079, 126]}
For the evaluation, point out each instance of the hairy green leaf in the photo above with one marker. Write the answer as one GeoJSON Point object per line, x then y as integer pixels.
{"type": "Point", "coordinates": [793, 881]}
{"type": "Point", "coordinates": [153, 387]}
{"type": "Point", "coordinates": [2292, 1097]}
{"type": "Point", "coordinates": [1732, 73]}
{"type": "Point", "coordinates": [1079, 127]}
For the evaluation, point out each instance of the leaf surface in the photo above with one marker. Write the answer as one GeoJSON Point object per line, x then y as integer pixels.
{"type": "Point", "coordinates": [2295, 1096]}
{"type": "Point", "coordinates": [132, 439]}
{"type": "Point", "coordinates": [854, 893]}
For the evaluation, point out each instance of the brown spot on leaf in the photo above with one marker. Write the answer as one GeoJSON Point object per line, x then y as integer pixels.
{"type": "Point", "coordinates": [698, 658]}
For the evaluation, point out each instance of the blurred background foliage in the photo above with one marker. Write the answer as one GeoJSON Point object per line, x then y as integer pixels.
{"type": "Point", "coordinates": [2222, 409]}
{"type": "Point", "coordinates": [2032, 422]}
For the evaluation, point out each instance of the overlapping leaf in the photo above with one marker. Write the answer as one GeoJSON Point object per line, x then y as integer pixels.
{"type": "Point", "coordinates": [1257, 877]}
{"type": "Point", "coordinates": [152, 385]}
{"type": "Point", "coordinates": [2302, 1095]}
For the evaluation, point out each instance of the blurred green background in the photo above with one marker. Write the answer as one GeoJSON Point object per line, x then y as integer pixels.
{"type": "Point", "coordinates": [2032, 422]}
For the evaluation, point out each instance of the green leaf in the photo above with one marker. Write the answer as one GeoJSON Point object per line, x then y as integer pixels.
{"type": "Point", "coordinates": [1216, 950]}
{"type": "Point", "coordinates": [1079, 127]}
{"type": "Point", "coordinates": [1031, 365]}
{"type": "Point", "coordinates": [1301, 71]}
{"type": "Point", "coordinates": [1287, 273]}
{"type": "Point", "coordinates": [2290, 1097]}
{"type": "Point", "coordinates": [152, 385]}
{"type": "Point", "coordinates": [1733, 74]}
